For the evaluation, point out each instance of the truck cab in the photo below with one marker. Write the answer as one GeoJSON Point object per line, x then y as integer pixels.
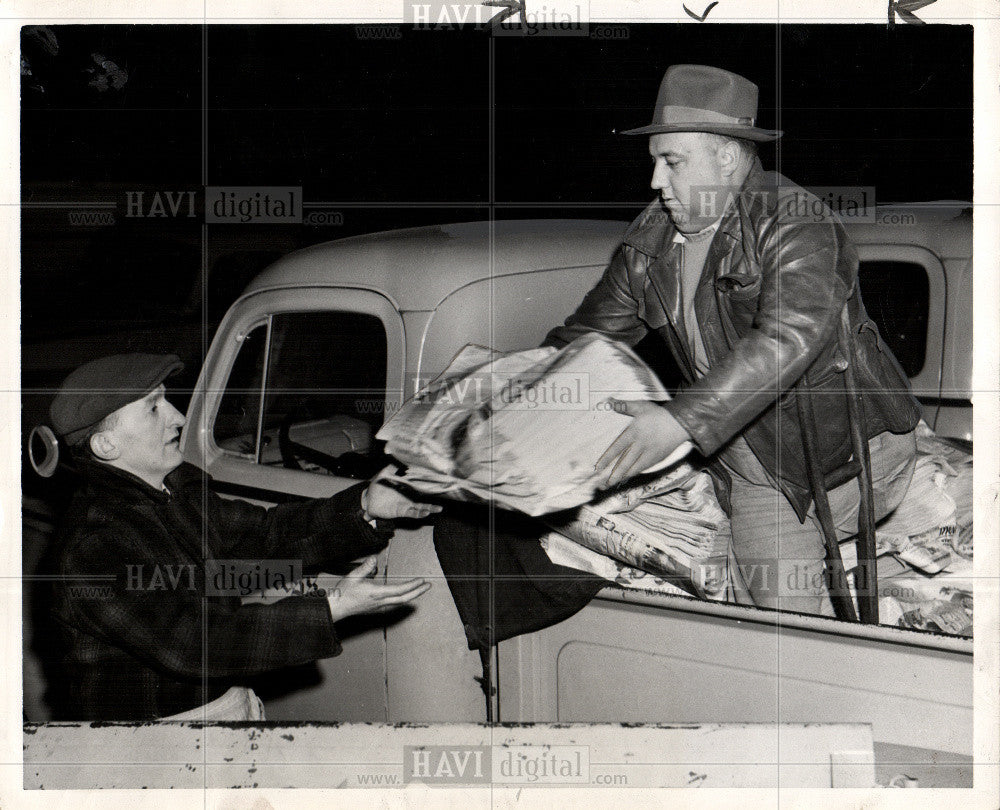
{"type": "Point", "coordinates": [327, 343]}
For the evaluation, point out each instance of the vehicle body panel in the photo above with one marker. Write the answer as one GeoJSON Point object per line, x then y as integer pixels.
{"type": "Point", "coordinates": [504, 285]}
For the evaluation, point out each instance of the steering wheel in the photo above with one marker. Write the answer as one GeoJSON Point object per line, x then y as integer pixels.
{"type": "Point", "coordinates": [346, 465]}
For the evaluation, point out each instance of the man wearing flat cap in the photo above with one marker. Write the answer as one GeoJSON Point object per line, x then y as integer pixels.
{"type": "Point", "coordinates": [748, 298]}
{"type": "Point", "coordinates": [161, 644]}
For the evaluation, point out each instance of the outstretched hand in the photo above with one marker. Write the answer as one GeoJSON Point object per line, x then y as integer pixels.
{"type": "Point", "coordinates": [650, 438]}
{"type": "Point", "coordinates": [381, 500]}
{"type": "Point", "coordinates": [358, 593]}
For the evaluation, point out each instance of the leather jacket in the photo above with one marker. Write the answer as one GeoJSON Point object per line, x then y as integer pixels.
{"type": "Point", "coordinates": [768, 305]}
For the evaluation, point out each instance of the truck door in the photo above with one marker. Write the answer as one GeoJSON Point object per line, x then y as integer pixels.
{"type": "Point", "coordinates": [294, 388]}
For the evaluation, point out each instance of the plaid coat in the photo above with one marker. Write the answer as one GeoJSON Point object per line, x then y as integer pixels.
{"type": "Point", "coordinates": [144, 639]}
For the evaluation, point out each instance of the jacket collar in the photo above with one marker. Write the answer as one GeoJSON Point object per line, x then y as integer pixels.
{"type": "Point", "coordinates": [103, 477]}
{"type": "Point", "coordinates": [653, 232]}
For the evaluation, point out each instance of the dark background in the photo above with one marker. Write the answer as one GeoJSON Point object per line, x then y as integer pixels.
{"type": "Point", "coordinates": [431, 127]}
{"type": "Point", "coordinates": [435, 126]}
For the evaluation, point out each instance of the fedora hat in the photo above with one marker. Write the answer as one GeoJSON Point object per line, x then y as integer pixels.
{"type": "Point", "coordinates": [700, 98]}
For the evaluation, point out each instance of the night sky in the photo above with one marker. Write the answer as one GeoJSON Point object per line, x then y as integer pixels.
{"type": "Point", "coordinates": [432, 127]}
{"type": "Point", "coordinates": [409, 120]}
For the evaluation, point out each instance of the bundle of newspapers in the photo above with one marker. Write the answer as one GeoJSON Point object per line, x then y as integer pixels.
{"type": "Point", "coordinates": [525, 431]}
{"type": "Point", "coordinates": [665, 533]}
{"type": "Point", "coordinates": [931, 533]}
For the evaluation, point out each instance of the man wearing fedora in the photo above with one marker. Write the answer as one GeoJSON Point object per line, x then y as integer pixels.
{"type": "Point", "coordinates": [748, 298]}
{"type": "Point", "coordinates": [156, 640]}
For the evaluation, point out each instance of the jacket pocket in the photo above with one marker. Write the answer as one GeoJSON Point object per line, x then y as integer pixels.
{"type": "Point", "coordinates": [739, 286]}
{"type": "Point", "coordinates": [816, 382]}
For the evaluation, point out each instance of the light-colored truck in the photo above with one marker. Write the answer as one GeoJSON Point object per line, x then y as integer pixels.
{"type": "Point", "coordinates": [328, 340]}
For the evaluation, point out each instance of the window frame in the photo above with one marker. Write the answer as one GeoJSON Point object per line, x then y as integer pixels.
{"type": "Point", "coordinates": [245, 315]}
{"type": "Point", "coordinates": [927, 383]}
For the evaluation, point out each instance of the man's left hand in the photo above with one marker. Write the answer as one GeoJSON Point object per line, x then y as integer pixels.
{"type": "Point", "coordinates": [652, 436]}
{"type": "Point", "coordinates": [383, 501]}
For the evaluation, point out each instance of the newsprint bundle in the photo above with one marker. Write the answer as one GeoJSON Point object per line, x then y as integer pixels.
{"type": "Point", "coordinates": [523, 430]}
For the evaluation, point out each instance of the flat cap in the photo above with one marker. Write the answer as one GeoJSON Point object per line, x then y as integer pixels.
{"type": "Point", "coordinates": [99, 388]}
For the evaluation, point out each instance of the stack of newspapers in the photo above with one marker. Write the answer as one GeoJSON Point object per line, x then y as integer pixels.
{"type": "Point", "coordinates": [522, 430]}
{"type": "Point", "coordinates": [931, 529]}
{"type": "Point", "coordinates": [525, 430]}
{"type": "Point", "coordinates": [930, 535]}
{"type": "Point", "coordinates": [669, 526]}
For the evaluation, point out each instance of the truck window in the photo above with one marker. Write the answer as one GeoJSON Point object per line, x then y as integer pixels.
{"type": "Point", "coordinates": [897, 297]}
{"type": "Point", "coordinates": [307, 392]}
{"type": "Point", "coordinates": [235, 428]}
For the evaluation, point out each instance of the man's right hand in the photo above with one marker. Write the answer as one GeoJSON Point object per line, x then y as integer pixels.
{"type": "Point", "coordinates": [357, 593]}
{"type": "Point", "coordinates": [652, 437]}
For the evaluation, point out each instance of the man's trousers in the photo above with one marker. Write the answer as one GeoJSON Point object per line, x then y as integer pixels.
{"type": "Point", "coordinates": [777, 559]}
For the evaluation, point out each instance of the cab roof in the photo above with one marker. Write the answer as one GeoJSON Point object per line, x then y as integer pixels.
{"type": "Point", "coordinates": [418, 267]}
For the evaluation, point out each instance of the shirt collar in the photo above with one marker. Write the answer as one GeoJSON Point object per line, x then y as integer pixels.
{"type": "Point", "coordinates": [697, 236]}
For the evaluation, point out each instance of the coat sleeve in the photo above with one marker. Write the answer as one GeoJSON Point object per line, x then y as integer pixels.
{"type": "Point", "coordinates": [171, 624]}
{"type": "Point", "coordinates": [610, 308]}
{"type": "Point", "coordinates": [807, 272]}
{"type": "Point", "coordinates": [314, 531]}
